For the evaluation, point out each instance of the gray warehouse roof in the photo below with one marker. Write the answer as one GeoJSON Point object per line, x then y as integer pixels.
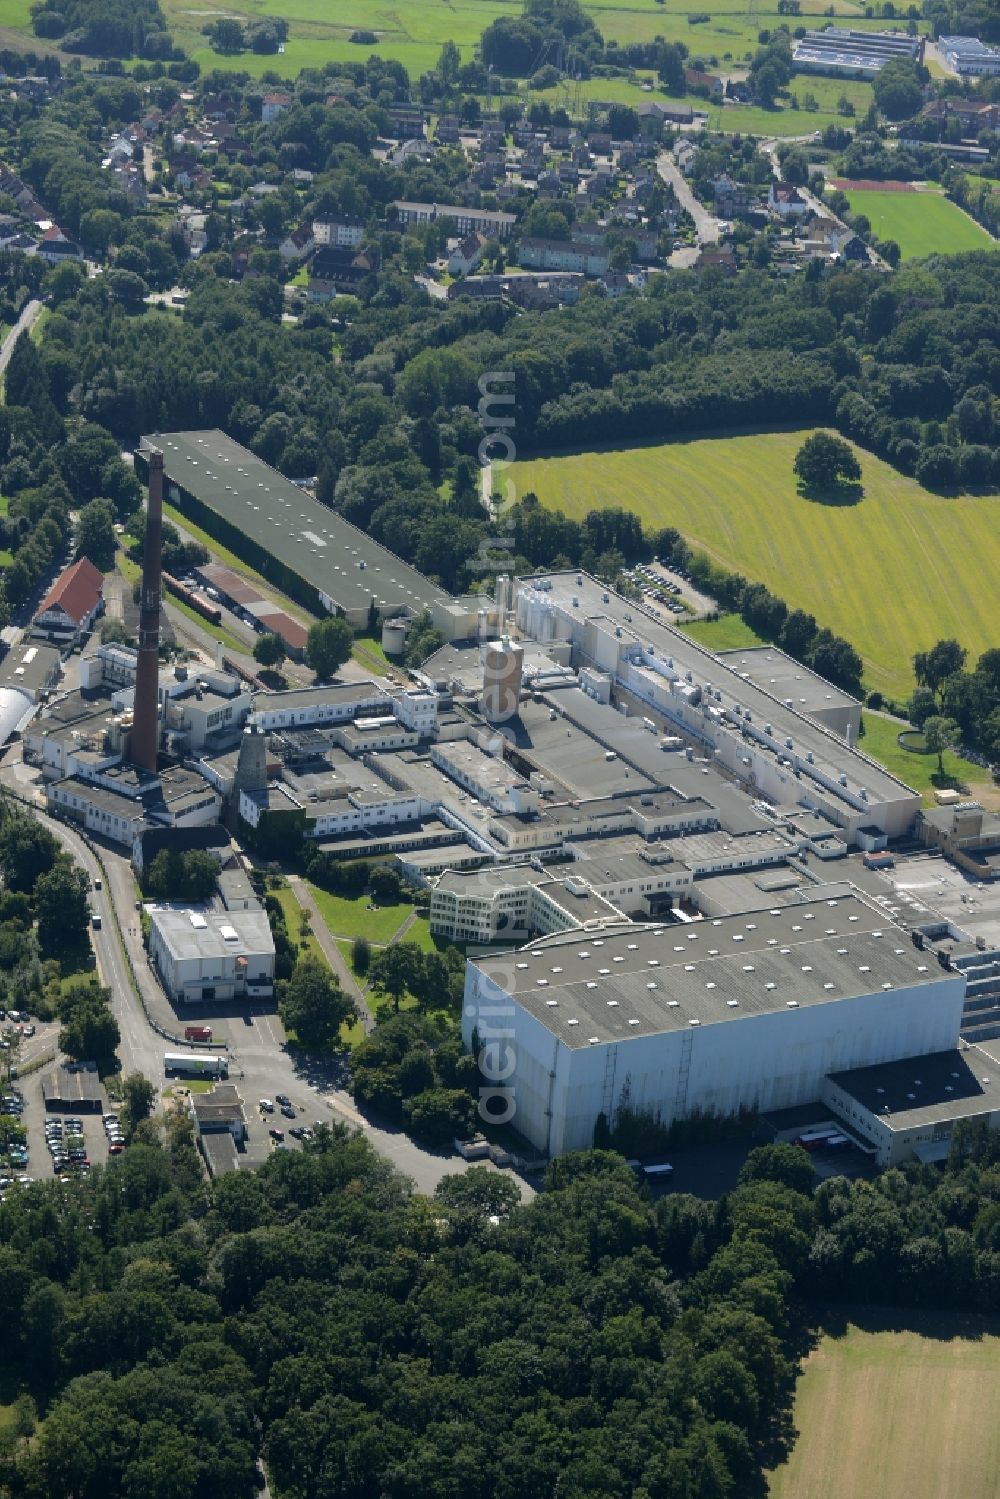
{"type": "Point", "coordinates": [316, 543]}
{"type": "Point", "coordinates": [641, 980]}
{"type": "Point", "coordinates": [925, 1090]}
{"type": "Point", "coordinates": [205, 934]}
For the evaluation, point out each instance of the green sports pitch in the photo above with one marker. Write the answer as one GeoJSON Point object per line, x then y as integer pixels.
{"type": "Point", "coordinates": [921, 223]}
{"type": "Point", "coordinates": [893, 573]}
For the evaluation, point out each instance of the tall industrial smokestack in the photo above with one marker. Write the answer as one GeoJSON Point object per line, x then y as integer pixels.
{"type": "Point", "coordinates": [145, 717]}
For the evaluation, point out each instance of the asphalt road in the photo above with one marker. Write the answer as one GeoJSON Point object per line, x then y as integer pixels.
{"type": "Point", "coordinates": [26, 321]}
{"type": "Point", "coordinates": [706, 224]}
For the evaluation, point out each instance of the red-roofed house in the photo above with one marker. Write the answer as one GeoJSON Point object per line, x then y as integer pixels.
{"type": "Point", "coordinates": [73, 602]}
{"type": "Point", "coordinates": [272, 105]}
{"type": "Point", "coordinates": [55, 247]}
{"type": "Point", "coordinates": [784, 198]}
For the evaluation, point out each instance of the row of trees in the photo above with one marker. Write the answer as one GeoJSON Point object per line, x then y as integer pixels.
{"type": "Point", "coordinates": [955, 706]}
{"type": "Point", "coordinates": [375, 1340]}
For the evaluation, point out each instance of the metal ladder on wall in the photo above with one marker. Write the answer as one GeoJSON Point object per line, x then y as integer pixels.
{"type": "Point", "coordinates": [683, 1073]}
{"type": "Point", "coordinates": [608, 1092]}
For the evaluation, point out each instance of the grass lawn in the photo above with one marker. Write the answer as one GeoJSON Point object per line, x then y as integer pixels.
{"type": "Point", "coordinates": [292, 913]}
{"type": "Point", "coordinates": [893, 574]}
{"type": "Point", "coordinates": [923, 223]}
{"type": "Point", "coordinates": [727, 633]}
{"type": "Point", "coordinates": [368, 652]}
{"type": "Point", "coordinates": [222, 554]}
{"type": "Point", "coordinates": [898, 1415]}
{"type": "Point", "coordinates": [352, 917]}
{"type": "Point", "coordinates": [880, 740]}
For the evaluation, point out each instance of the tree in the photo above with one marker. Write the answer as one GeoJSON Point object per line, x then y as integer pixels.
{"type": "Point", "coordinates": [788, 1164]}
{"type": "Point", "coordinates": [440, 1114]}
{"type": "Point", "coordinates": [328, 646]}
{"type": "Point", "coordinates": [96, 534]}
{"type": "Point", "coordinates": [823, 460]}
{"type": "Point", "coordinates": [90, 1031]}
{"type": "Point", "coordinates": [62, 908]}
{"type": "Point", "coordinates": [314, 1006]}
{"type": "Point", "coordinates": [269, 650]}
{"type": "Point", "coordinates": [922, 706]}
{"type": "Point", "coordinates": [139, 1095]}
{"type": "Point", "coordinates": [940, 733]}
{"type": "Point", "coordinates": [449, 62]}
{"type": "Point", "coordinates": [361, 955]}
{"type": "Point", "coordinates": [396, 969]}
{"type": "Point", "coordinates": [897, 89]}
{"type": "Point", "coordinates": [933, 668]}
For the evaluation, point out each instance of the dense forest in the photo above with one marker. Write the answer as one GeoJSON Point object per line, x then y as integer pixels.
{"type": "Point", "coordinates": [369, 1342]}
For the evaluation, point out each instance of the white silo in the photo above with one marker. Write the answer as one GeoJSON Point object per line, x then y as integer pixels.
{"type": "Point", "coordinates": [503, 667]}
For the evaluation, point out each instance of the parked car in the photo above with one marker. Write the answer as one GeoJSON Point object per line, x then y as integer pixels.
{"type": "Point", "coordinates": [265, 1105]}
{"type": "Point", "coordinates": [276, 1134]}
{"type": "Point", "coordinates": [282, 1098]}
{"type": "Point", "coordinates": [288, 1111]}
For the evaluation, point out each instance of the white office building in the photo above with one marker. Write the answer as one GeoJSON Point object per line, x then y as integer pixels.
{"type": "Point", "coordinates": [212, 955]}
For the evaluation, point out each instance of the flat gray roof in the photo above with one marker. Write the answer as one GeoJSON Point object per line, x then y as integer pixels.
{"type": "Point", "coordinates": [601, 607]}
{"type": "Point", "coordinates": [325, 550]}
{"type": "Point", "coordinates": [201, 934]}
{"type": "Point", "coordinates": [28, 666]}
{"type": "Point", "coordinates": [932, 1089]}
{"type": "Point", "coordinates": [309, 697]}
{"type": "Point", "coordinates": [116, 803]}
{"type": "Point", "coordinates": [784, 678]}
{"type": "Point", "coordinates": [640, 980]}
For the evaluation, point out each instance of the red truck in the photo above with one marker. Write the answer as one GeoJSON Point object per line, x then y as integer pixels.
{"type": "Point", "coordinates": [197, 1033]}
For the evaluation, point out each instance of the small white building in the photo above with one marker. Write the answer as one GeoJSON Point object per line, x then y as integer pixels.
{"type": "Point", "coordinates": [342, 234]}
{"type": "Point", "coordinates": [212, 955]}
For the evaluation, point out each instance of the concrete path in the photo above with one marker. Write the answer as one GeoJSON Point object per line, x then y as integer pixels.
{"type": "Point", "coordinates": [332, 953]}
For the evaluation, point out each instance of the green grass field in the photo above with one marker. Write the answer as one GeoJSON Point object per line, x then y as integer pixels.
{"type": "Point", "coordinates": [924, 223]}
{"type": "Point", "coordinates": [353, 918]}
{"type": "Point", "coordinates": [881, 742]}
{"type": "Point", "coordinates": [896, 1415]}
{"type": "Point", "coordinates": [893, 574]}
{"type": "Point", "coordinates": [412, 31]}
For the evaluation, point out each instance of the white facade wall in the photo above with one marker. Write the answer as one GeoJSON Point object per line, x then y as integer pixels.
{"type": "Point", "coordinates": [298, 715]}
{"type": "Point", "coordinates": [351, 819]}
{"type": "Point", "coordinates": [120, 827]}
{"type": "Point", "coordinates": [762, 1062]}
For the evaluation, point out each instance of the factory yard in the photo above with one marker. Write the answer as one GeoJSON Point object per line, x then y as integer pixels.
{"type": "Point", "coordinates": [907, 1413]}
{"type": "Point", "coordinates": [892, 574]}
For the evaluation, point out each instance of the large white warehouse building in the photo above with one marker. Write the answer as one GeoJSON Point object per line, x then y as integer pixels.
{"type": "Point", "coordinates": [751, 1011]}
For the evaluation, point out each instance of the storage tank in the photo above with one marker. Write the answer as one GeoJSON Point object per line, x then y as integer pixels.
{"type": "Point", "coordinates": [503, 667]}
{"type": "Point", "coordinates": [393, 637]}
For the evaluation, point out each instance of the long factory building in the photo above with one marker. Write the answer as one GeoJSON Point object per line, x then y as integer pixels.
{"type": "Point", "coordinates": [763, 740]}
{"type": "Point", "coordinates": [303, 547]}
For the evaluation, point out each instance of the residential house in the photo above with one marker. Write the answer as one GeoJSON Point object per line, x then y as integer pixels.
{"type": "Point", "coordinates": [697, 81]}
{"type": "Point", "coordinates": [715, 258]}
{"type": "Point", "coordinates": [482, 288]}
{"type": "Point", "coordinates": [786, 201]}
{"type": "Point", "coordinates": [563, 255]}
{"type": "Point", "coordinates": [406, 121]}
{"type": "Point", "coordinates": [55, 247]}
{"type": "Point", "coordinates": [550, 185]}
{"type": "Point", "coordinates": [730, 198]}
{"type": "Point", "coordinates": [340, 232]}
{"type": "Point", "coordinates": [73, 602]}
{"type": "Point", "coordinates": [467, 254]}
{"type": "Point", "coordinates": [297, 245]}
{"type": "Point", "coordinates": [272, 105]}
{"type": "Point", "coordinates": [448, 132]}
{"type": "Point", "coordinates": [685, 152]}
{"type": "Point", "coordinates": [488, 221]}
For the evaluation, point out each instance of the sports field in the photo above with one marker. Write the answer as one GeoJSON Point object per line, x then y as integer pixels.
{"type": "Point", "coordinates": [893, 574]}
{"type": "Point", "coordinates": [921, 223]}
{"type": "Point", "coordinates": [896, 1415]}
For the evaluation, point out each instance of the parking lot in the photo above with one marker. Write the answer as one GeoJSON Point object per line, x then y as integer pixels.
{"type": "Point", "coordinates": [35, 1116]}
{"type": "Point", "coordinates": [301, 1112]}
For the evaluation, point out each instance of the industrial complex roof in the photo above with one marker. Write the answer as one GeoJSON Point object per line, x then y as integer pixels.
{"type": "Point", "coordinates": [316, 543]}
{"type": "Point", "coordinates": [600, 608]}
{"type": "Point", "coordinates": [925, 1090]}
{"type": "Point", "coordinates": [641, 980]}
{"type": "Point", "coordinates": [786, 679]}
